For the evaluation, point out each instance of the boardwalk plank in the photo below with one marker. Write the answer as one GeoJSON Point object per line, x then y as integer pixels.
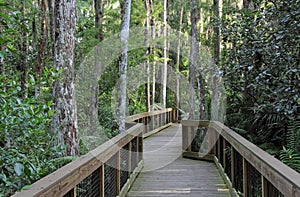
{"type": "Point", "coordinates": [166, 173]}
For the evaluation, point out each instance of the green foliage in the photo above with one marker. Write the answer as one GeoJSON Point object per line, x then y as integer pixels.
{"type": "Point", "coordinates": [26, 146]}
{"type": "Point", "coordinates": [260, 62]}
{"type": "Point", "coordinates": [290, 158]}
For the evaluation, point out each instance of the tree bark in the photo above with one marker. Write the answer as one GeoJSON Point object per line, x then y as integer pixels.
{"type": "Point", "coordinates": [23, 64]}
{"type": "Point", "coordinates": [178, 55]}
{"type": "Point", "coordinates": [165, 67]}
{"type": "Point", "coordinates": [64, 121]}
{"type": "Point", "coordinates": [52, 24]}
{"type": "Point", "coordinates": [2, 69]}
{"type": "Point", "coordinates": [147, 36]}
{"type": "Point", "coordinates": [193, 58]}
{"type": "Point", "coordinates": [43, 41]}
{"type": "Point", "coordinates": [121, 111]}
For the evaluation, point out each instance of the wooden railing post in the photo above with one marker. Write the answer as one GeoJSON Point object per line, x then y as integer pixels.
{"type": "Point", "coordinates": [224, 154]}
{"type": "Point", "coordinates": [219, 149]}
{"type": "Point", "coordinates": [264, 186]}
{"type": "Point", "coordinates": [102, 172]}
{"type": "Point", "coordinates": [118, 168]}
{"type": "Point", "coordinates": [233, 166]}
{"type": "Point", "coordinates": [245, 177]}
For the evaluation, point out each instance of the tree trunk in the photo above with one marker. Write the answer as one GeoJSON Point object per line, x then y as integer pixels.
{"type": "Point", "coordinates": [23, 64]}
{"type": "Point", "coordinates": [193, 59]}
{"type": "Point", "coordinates": [217, 55]}
{"type": "Point", "coordinates": [2, 69]}
{"type": "Point", "coordinates": [64, 121]}
{"type": "Point", "coordinates": [121, 111]}
{"type": "Point", "coordinates": [165, 67]}
{"type": "Point", "coordinates": [43, 42]}
{"type": "Point", "coordinates": [178, 55]}
{"type": "Point", "coordinates": [99, 18]}
{"type": "Point", "coordinates": [52, 24]}
{"type": "Point", "coordinates": [92, 104]}
{"type": "Point", "coordinates": [147, 36]}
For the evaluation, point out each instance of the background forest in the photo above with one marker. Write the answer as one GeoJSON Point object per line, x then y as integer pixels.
{"type": "Point", "coordinates": [255, 44]}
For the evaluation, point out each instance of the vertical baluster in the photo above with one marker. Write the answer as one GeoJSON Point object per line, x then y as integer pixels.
{"type": "Point", "coordinates": [224, 155]}
{"type": "Point", "coordinates": [189, 138]}
{"type": "Point", "coordinates": [265, 186]}
{"type": "Point", "coordinates": [118, 166]}
{"type": "Point", "coordinates": [137, 150]}
{"type": "Point", "coordinates": [219, 149]}
{"type": "Point", "coordinates": [102, 180]}
{"type": "Point", "coordinates": [233, 166]}
{"type": "Point", "coordinates": [129, 158]}
{"type": "Point", "coordinates": [245, 177]}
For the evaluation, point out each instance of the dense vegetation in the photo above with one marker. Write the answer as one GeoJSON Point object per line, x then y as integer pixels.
{"type": "Point", "coordinates": [259, 62]}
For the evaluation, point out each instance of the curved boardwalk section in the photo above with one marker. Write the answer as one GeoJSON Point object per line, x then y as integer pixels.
{"type": "Point", "coordinates": [166, 173]}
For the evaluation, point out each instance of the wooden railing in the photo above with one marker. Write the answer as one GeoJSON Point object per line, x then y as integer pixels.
{"type": "Point", "coordinates": [110, 169]}
{"type": "Point", "coordinates": [246, 168]}
{"type": "Point", "coordinates": [155, 120]}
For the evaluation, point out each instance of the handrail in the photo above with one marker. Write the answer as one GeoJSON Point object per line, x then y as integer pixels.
{"type": "Point", "coordinates": [110, 169]}
{"type": "Point", "coordinates": [155, 120]}
{"type": "Point", "coordinates": [242, 161]}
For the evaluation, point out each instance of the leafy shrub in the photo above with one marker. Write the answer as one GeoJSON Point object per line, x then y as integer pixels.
{"type": "Point", "coordinates": [26, 145]}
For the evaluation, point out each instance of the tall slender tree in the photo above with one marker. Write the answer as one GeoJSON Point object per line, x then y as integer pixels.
{"type": "Point", "coordinates": [193, 58]}
{"type": "Point", "coordinates": [121, 109]}
{"type": "Point", "coordinates": [165, 67]}
{"type": "Point", "coordinates": [147, 36]}
{"type": "Point", "coordinates": [23, 46]}
{"type": "Point", "coordinates": [177, 68]}
{"type": "Point", "coordinates": [64, 121]}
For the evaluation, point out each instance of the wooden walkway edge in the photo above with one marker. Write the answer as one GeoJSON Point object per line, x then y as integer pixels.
{"type": "Point", "coordinates": [166, 173]}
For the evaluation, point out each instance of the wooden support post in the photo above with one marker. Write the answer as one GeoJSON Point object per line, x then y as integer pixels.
{"type": "Point", "coordinates": [129, 158]}
{"type": "Point", "coordinates": [224, 154]}
{"type": "Point", "coordinates": [232, 166]}
{"type": "Point", "coordinates": [137, 150]}
{"type": "Point", "coordinates": [265, 186]}
{"type": "Point", "coordinates": [118, 168]}
{"type": "Point", "coordinates": [189, 139]}
{"type": "Point", "coordinates": [219, 149]}
{"type": "Point", "coordinates": [245, 177]}
{"type": "Point", "coordinates": [72, 192]}
{"type": "Point", "coordinates": [102, 184]}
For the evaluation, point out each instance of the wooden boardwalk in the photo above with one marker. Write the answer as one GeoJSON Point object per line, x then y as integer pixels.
{"type": "Point", "coordinates": [166, 173]}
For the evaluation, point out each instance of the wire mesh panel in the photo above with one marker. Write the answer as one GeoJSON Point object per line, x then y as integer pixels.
{"type": "Point", "coordinates": [227, 159]}
{"type": "Point", "coordinates": [124, 165]}
{"type": "Point", "coordinates": [133, 154]}
{"type": "Point", "coordinates": [238, 171]}
{"type": "Point", "coordinates": [184, 138]}
{"type": "Point", "coordinates": [271, 190]}
{"type": "Point", "coordinates": [254, 182]}
{"type": "Point", "coordinates": [199, 144]}
{"type": "Point", "coordinates": [110, 177]}
{"type": "Point", "coordinates": [90, 186]}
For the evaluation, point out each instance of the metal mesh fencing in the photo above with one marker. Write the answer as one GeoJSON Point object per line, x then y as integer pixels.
{"type": "Point", "coordinates": [90, 186]}
{"type": "Point", "coordinates": [124, 165]}
{"type": "Point", "coordinates": [110, 177]}
{"type": "Point", "coordinates": [133, 154]}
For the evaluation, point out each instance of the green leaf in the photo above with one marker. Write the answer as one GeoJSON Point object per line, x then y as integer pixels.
{"type": "Point", "coordinates": [19, 169]}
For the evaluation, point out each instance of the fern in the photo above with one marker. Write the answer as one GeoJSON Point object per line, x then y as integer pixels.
{"type": "Point", "coordinates": [293, 135]}
{"type": "Point", "coordinates": [290, 158]}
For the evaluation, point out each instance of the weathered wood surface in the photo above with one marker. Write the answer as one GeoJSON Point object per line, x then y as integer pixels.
{"type": "Point", "coordinates": [166, 173]}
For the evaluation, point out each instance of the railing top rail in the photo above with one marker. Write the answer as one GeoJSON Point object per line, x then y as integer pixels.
{"type": "Point", "coordinates": [145, 114]}
{"type": "Point", "coordinates": [284, 178]}
{"type": "Point", "coordinates": [70, 175]}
